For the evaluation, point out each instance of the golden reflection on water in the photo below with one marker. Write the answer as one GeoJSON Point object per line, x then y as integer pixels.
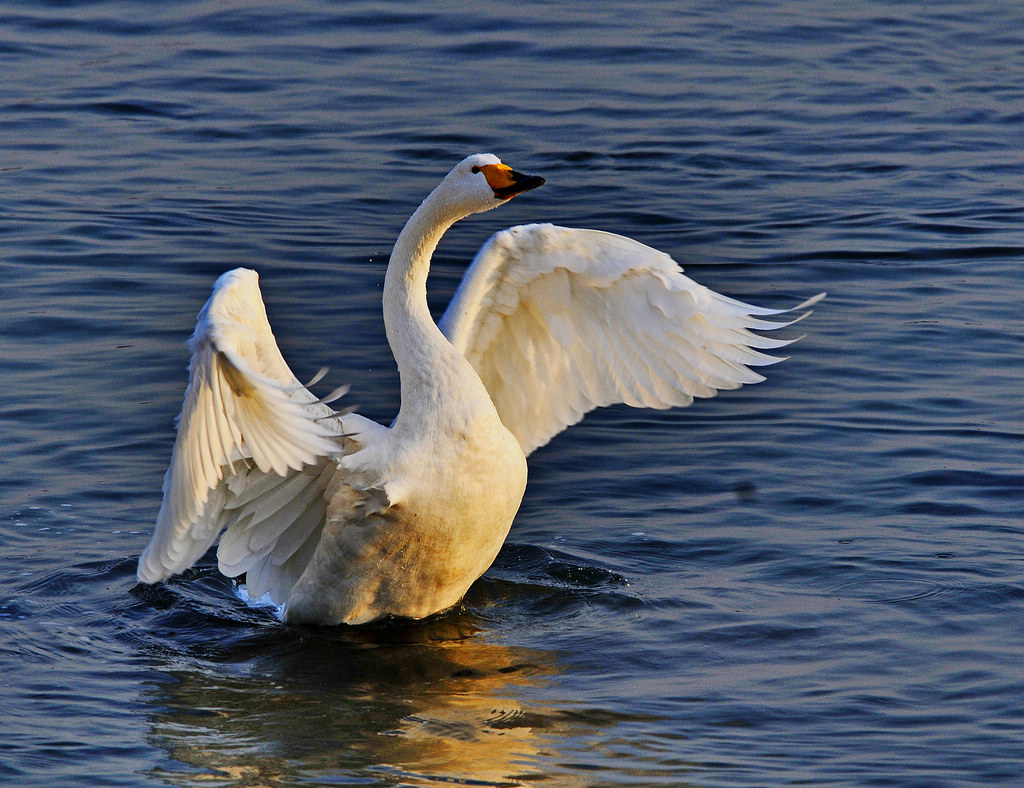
{"type": "Point", "coordinates": [441, 705]}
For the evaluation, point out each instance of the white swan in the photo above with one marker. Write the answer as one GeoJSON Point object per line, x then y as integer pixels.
{"type": "Point", "coordinates": [343, 520]}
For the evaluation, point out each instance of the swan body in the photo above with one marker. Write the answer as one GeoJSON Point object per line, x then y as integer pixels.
{"type": "Point", "coordinates": [343, 520]}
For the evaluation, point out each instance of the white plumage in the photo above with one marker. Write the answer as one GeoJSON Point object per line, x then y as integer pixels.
{"type": "Point", "coordinates": [558, 322]}
{"type": "Point", "coordinates": [341, 519]}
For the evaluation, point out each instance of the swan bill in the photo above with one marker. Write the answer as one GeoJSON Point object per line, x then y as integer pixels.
{"type": "Point", "coordinates": [507, 183]}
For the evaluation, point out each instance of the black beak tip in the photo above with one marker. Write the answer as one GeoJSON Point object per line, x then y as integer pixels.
{"type": "Point", "coordinates": [531, 182]}
{"type": "Point", "coordinates": [522, 183]}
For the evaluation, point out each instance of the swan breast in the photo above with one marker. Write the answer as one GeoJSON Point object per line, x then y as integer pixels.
{"type": "Point", "coordinates": [409, 537]}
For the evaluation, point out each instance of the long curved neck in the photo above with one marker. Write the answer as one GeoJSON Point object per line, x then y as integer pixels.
{"type": "Point", "coordinates": [425, 358]}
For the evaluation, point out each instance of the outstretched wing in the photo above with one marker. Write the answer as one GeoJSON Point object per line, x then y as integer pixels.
{"type": "Point", "coordinates": [246, 431]}
{"type": "Point", "coordinates": [558, 321]}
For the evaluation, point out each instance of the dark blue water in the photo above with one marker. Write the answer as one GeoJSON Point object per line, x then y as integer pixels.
{"type": "Point", "coordinates": [818, 580]}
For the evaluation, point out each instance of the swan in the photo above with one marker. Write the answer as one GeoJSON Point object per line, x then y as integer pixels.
{"type": "Point", "coordinates": [343, 520]}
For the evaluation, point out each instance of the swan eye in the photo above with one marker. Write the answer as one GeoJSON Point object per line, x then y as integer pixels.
{"type": "Point", "coordinates": [475, 169]}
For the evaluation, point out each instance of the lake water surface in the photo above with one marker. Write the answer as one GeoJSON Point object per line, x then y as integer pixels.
{"type": "Point", "coordinates": [818, 580]}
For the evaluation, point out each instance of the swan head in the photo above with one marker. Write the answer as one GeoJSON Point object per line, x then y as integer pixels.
{"type": "Point", "coordinates": [481, 182]}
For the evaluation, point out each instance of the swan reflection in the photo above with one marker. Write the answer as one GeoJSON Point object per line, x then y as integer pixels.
{"type": "Point", "coordinates": [414, 705]}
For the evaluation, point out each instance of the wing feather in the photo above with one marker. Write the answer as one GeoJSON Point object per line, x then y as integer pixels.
{"type": "Point", "coordinates": [559, 321]}
{"type": "Point", "coordinates": [245, 417]}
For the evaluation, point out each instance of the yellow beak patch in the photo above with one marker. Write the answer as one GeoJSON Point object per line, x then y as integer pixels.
{"type": "Point", "coordinates": [499, 176]}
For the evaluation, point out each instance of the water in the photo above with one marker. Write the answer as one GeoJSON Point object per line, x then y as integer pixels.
{"type": "Point", "coordinates": [817, 580]}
